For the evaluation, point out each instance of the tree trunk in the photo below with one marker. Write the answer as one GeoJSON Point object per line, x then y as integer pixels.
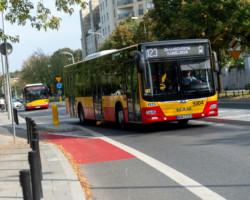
{"type": "Point", "coordinates": [220, 82]}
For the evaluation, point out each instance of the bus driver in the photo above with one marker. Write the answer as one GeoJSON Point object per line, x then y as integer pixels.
{"type": "Point", "coordinates": [187, 79]}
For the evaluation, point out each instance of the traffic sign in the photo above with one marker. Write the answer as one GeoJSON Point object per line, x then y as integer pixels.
{"type": "Point", "coordinates": [235, 54]}
{"type": "Point", "coordinates": [58, 79]}
{"type": "Point", "coordinates": [234, 44]}
{"type": "Point", "coordinates": [59, 92]}
{"type": "Point", "coordinates": [59, 85]}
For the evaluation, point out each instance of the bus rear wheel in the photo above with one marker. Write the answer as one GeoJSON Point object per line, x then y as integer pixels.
{"type": "Point", "coordinates": [120, 117]}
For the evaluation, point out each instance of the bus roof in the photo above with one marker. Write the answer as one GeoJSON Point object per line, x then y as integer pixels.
{"type": "Point", "coordinates": [97, 54]}
{"type": "Point", "coordinates": [166, 42]}
{"type": "Point", "coordinates": [34, 84]}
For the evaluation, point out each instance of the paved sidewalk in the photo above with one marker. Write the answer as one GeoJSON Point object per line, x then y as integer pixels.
{"type": "Point", "coordinates": [59, 179]}
{"type": "Point", "coordinates": [232, 116]}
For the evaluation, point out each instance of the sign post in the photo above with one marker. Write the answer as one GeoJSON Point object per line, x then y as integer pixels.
{"type": "Point", "coordinates": [59, 86]}
{"type": "Point", "coordinates": [235, 52]}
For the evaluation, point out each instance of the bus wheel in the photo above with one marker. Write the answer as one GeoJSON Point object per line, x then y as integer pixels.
{"type": "Point", "coordinates": [120, 117]}
{"type": "Point", "coordinates": [183, 122]}
{"type": "Point", "coordinates": [80, 114]}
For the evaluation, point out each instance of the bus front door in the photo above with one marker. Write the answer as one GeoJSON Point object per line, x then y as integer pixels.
{"type": "Point", "coordinates": [72, 106]}
{"type": "Point", "coordinates": [134, 111]}
{"type": "Point", "coordinates": [97, 96]}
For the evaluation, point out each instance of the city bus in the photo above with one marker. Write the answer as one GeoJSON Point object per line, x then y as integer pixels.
{"type": "Point", "coordinates": [35, 96]}
{"type": "Point", "coordinates": [144, 83]}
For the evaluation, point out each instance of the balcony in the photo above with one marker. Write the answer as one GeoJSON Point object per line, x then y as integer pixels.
{"type": "Point", "coordinates": [121, 16]}
{"type": "Point", "coordinates": [124, 2]}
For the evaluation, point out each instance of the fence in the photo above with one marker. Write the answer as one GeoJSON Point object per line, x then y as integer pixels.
{"type": "Point", "coordinates": [234, 93]}
{"type": "Point", "coordinates": [31, 180]}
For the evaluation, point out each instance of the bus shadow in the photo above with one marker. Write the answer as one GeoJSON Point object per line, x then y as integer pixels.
{"type": "Point", "coordinates": [167, 128]}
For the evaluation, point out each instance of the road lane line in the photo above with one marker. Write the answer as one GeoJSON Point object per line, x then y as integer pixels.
{"type": "Point", "coordinates": [190, 184]}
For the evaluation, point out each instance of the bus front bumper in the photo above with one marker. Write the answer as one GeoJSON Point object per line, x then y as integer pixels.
{"type": "Point", "coordinates": [29, 107]}
{"type": "Point", "coordinates": [155, 114]}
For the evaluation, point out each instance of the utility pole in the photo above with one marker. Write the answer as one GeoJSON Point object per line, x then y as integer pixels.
{"type": "Point", "coordinates": [10, 109]}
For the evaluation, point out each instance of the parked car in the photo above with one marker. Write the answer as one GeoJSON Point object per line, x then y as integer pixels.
{"type": "Point", "coordinates": [16, 104]}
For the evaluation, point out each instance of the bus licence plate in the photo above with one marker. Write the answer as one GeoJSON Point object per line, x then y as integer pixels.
{"type": "Point", "coordinates": [184, 116]}
{"type": "Point", "coordinates": [37, 106]}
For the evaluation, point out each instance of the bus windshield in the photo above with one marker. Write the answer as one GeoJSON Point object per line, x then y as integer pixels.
{"type": "Point", "coordinates": [36, 93]}
{"type": "Point", "coordinates": [173, 78]}
{"type": "Point", "coordinates": [196, 75]}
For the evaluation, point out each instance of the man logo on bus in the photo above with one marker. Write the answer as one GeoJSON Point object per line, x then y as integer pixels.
{"type": "Point", "coordinates": [183, 109]}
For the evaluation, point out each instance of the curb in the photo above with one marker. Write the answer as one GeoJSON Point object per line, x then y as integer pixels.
{"type": "Point", "coordinates": [74, 184]}
{"type": "Point", "coordinates": [227, 121]}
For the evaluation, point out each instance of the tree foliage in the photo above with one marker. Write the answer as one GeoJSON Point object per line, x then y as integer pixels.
{"type": "Point", "coordinates": [219, 21]}
{"type": "Point", "coordinates": [44, 68]}
{"type": "Point", "coordinates": [129, 32]}
{"type": "Point", "coordinates": [37, 14]}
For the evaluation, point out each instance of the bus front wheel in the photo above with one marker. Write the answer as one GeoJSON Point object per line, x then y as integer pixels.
{"type": "Point", "coordinates": [81, 115]}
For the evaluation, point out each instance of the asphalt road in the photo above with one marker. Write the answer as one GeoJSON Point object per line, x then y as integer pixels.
{"type": "Point", "coordinates": [202, 160]}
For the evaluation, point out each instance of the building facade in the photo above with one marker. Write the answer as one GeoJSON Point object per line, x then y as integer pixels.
{"type": "Point", "coordinates": [98, 22]}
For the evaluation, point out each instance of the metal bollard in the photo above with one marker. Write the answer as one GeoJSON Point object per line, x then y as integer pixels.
{"type": "Point", "coordinates": [15, 116]}
{"type": "Point", "coordinates": [55, 115]}
{"type": "Point", "coordinates": [25, 184]}
{"type": "Point", "coordinates": [35, 177]}
{"type": "Point", "coordinates": [31, 125]}
{"type": "Point", "coordinates": [35, 133]}
{"type": "Point", "coordinates": [27, 128]}
{"type": "Point", "coordinates": [35, 147]}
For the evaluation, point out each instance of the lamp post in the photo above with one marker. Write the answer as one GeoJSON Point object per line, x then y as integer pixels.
{"type": "Point", "coordinates": [144, 27]}
{"type": "Point", "coordinates": [95, 33]}
{"type": "Point", "coordinates": [67, 53]}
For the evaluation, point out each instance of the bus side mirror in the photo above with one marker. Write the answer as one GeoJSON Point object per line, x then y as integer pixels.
{"type": "Point", "coordinates": [215, 60]}
{"type": "Point", "coordinates": [140, 61]}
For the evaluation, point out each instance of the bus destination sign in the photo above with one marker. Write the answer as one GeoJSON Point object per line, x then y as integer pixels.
{"type": "Point", "coordinates": [166, 51]}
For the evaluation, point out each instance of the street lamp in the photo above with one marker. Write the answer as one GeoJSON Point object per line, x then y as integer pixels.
{"type": "Point", "coordinates": [67, 53]}
{"type": "Point", "coordinates": [90, 32]}
{"type": "Point", "coordinates": [144, 27]}
{"type": "Point", "coordinates": [95, 33]}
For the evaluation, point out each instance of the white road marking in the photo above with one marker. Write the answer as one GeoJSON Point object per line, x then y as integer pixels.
{"type": "Point", "coordinates": [190, 184]}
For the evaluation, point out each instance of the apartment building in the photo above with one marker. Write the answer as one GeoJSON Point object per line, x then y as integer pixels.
{"type": "Point", "coordinates": [98, 22]}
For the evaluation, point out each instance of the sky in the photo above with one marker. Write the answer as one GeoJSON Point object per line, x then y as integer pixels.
{"type": "Point", "coordinates": [32, 40]}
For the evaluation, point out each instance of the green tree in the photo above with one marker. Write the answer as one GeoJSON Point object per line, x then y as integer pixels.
{"type": "Point", "coordinates": [218, 21]}
{"type": "Point", "coordinates": [128, 32]}
{"type": "Point", "coordinates": [35, 68]}
{"type": "Point", "coordinates": [37, 14]}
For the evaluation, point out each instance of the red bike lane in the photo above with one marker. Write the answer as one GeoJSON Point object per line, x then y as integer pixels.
{"type": "Point", "coordinates": [88, 150]}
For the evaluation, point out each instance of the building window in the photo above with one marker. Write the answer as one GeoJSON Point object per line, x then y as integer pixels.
{"type": "Point", "coordinates": [107, 16]}
{"type": "Point", "coordinates": [106, 3]}
{"type": "Point", "coordinates": [109, 29]}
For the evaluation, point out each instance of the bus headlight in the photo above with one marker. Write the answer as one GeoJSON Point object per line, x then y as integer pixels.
{"type": "Point", "coordinates": [213, 106]}
{"type": "Point", "coordinates": [150, 112]}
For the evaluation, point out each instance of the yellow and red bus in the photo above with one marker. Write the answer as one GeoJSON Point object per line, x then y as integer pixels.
{"type": "Point", "coordinates": [35, 96]}
{"type": "Point", "coordinates": [144, 83]}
